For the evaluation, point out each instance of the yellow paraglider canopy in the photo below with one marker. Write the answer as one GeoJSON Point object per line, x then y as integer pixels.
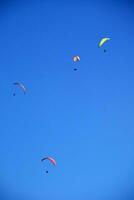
{"type": "Point", "coordinates": [103, 40]}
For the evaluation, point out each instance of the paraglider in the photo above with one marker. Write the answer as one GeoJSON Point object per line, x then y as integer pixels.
{"type": "Point", "coordinates": [76, 59]}
{"type": "Point", "coordinates": [103, 41]}
{"type": "Point", "coordinates": [52, 161]}
{"type": "Point", "coordinates": [21, 86]}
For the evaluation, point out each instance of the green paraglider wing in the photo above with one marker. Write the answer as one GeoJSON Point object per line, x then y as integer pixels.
{"type": "Point", "coordinates": [103, 40]}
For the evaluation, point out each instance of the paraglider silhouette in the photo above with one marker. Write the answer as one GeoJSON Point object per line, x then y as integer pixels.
{"type": "Point", "coordinates": [21, 86]}
{"type": "Point", "coordinates": [102, 42]}
{"type": "Point", "coordinates": [76, 59]}
{"type": "Point", "coordinates": [52, 161]}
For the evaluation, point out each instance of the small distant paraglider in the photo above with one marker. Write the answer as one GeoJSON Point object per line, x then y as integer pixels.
{"type": "Point", "coordinates": [103, 41]}
{"type": "Point", "coordinates": [52, 161]}
{"type": "Point", "coordinates": [21, 86]}
{"type": "Point", "coordinates": [76, 59]}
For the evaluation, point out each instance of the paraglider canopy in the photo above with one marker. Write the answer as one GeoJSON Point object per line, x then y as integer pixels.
{"type": "Point", "coordinates": [53, 161]}
{"type": "Point", "coordinates": [76, 58]}
{"type": "Point", "coordinates": [21, 86]}
{"type": "Point", "coordinates": [103, 41]}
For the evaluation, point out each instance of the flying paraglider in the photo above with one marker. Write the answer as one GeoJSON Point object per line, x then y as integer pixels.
{"type": "Point", "coordinates": [76, 59]}
{"type": "Point", "coordinates": [103, 41]}
{"type": "Point", "coordinates": [52, 161]}
{"type": "Point", "coordinates": [21, 86]}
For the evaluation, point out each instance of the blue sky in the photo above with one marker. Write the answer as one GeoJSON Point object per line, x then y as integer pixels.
{"type": "Point", "coordinates": [84, 118]}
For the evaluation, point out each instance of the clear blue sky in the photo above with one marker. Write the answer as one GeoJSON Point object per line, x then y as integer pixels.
{"type": "Point", "coordinates": [85, 118]}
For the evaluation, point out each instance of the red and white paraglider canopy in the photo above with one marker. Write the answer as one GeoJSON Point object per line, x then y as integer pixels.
{"type": "Point", "coordinates": [53, 161]}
